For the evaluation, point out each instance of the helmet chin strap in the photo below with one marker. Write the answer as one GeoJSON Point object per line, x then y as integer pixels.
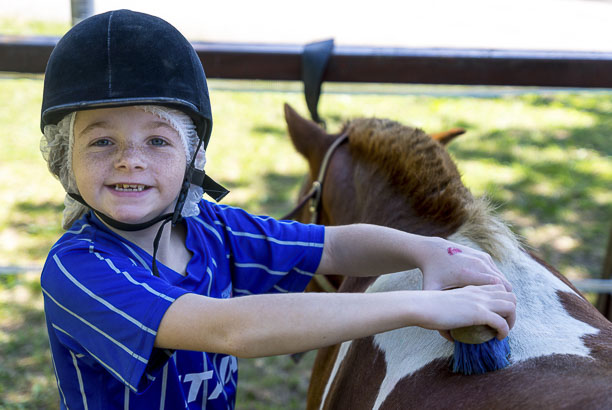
{"type": "Point", "coordinates": [135, 227]}
{"type": "Point", "coordinates": [192, 176]}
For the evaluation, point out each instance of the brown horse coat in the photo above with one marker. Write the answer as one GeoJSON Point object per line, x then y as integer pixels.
{"type": "Point", "coordinates": [400, 177]}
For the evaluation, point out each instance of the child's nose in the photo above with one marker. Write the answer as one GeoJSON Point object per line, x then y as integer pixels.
{"type": "Point", "coordinates": [131, 157]}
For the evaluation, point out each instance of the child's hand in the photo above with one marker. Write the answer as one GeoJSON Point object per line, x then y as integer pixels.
{"type": "Point", "coordinates": [447, 265]}
{"type": "Point", "coordinates": [490, 305]}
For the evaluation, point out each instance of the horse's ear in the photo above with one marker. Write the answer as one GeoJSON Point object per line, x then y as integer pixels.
{"type": "Point", "coordinates": [306, 135]}
{"type": "Point", "coordinates": [447, 136]}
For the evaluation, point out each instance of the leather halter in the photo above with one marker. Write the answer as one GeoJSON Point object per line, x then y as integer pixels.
{"type": "Point", "coordinates": [316, 190]}
{"type": "Point", "coordinates": [314, 196]}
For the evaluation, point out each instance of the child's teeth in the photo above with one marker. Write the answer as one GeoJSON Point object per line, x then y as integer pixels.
{"type": "Point", "coordinates": [129, 187]}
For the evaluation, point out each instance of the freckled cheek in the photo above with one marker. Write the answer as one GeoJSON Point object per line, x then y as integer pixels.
{"type": "Point", "coordinates": [172, 168]}
{"type": "Point", "coordinates": [88, 167]}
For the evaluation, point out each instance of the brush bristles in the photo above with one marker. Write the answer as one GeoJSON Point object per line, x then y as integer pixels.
{"type": "Point", "coordinates": [481, 358]}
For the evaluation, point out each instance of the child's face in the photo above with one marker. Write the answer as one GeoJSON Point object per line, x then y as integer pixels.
{"type": "Point", "coordinates": [128, 164]}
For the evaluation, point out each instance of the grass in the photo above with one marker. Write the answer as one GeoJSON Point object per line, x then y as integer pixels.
{"type": "Point", "coordinates": [20, 26]}
{"type": "Point", "coordinates": [544, 159]}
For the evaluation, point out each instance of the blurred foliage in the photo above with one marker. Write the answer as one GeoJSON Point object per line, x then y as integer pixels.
{"type": "Point", "coordinates": [16, 26]}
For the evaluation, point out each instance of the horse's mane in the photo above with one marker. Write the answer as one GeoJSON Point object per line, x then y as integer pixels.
{"type": "Point", "coordinates": [416, 165]}
{"type": "Point", "coordinates": [421, 169]}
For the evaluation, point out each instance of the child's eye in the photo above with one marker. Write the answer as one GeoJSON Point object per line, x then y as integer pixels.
{"type": "Point", "coordinates": [101, 143]}
{"type": "Point", "coordinates": [158, 141]}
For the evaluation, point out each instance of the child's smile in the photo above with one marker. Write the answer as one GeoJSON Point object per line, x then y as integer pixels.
{"type": "Point", "coordinates": [128, 163]}
{"type": "Point", "coordinates": [130, 187]}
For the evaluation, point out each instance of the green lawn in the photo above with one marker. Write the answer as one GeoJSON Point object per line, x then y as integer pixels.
{"type": "Point", "coordinates": [544, 159]}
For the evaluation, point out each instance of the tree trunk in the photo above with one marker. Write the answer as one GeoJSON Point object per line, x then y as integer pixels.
{"type": "Point", "coordinates": [604, 300]}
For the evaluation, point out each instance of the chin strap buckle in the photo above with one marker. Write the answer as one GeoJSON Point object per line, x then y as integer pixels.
{"type": "Point", "coordinates": [213, 189]}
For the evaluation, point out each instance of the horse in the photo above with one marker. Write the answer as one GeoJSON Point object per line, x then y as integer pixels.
{"type": "Point", "coordinates": [389, 174]}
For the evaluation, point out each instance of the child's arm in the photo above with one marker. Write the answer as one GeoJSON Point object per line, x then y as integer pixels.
{"type": "Point", "coordinates": [370, 250]}
{"type": "Point", "coordinates": [263, 325]}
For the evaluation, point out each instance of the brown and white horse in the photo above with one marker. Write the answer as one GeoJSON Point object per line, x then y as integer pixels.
{"type": "Point", "coordinates": [389, 174]}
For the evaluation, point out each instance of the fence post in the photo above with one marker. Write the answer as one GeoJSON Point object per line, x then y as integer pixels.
{"type": "Point", "coordinates": [604, 300]}
{"type": "Point", "coordinates": [81, 9]}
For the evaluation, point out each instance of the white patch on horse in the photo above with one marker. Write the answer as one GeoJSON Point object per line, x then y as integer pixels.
{"type": "Point", "coordinates": [543, 327]}
{"type": "Point", "coordinates": [408, 349]}
{"type": "Point", "coordinates": [339, 358]}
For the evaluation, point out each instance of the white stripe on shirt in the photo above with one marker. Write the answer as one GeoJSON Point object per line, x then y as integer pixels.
{"type": "Point", "coordinates": [58, 243]}
{"type": "Point", "coordinates": [210, 280]}
{"type": "Point", "coordinates": [101, 300]}
{"type": "Point", "coordinates": [280, 289]}
{"type": "Point", "coordinates": [137, 256]}
{"type": "Point", "coordinates": [269, 238]}
{"type": "Point", "coordinates": [210, 228]}
{"type": "Point", "coordinates": [245, 291]}
{"type": "Point", "coordinates": [280, 221]}
{"type": "Point", "coordinates": [126, 398]}
{"type": "Point", "coordinates": [80, 230]}
{"type": "Point", "coordinates": [78, 372]}
{"type": "Point", "coordinates": [118, 343]}
{"type": "Point", "coordinates": [132, 280]}
{"type": "Point", "coordinates": [116, 373]}
{"type": "Point", "coordinates": [303, 272]}
{"type": "Point", "coordinates": [259, 266]}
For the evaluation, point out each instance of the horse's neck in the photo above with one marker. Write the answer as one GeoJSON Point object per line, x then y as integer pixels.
{"type": "Point", "coordinates": [543, 326]}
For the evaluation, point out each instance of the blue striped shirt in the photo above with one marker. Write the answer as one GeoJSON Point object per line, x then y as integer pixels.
{"type": "Point", "coordinates": [103, 306]}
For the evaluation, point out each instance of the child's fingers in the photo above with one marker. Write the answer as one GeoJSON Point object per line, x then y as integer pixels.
{"type": "Point", "coordinates": [507, 310]}
{"type": "Point", "coordinates": [479, 276]}
{"type": "Point", "coordinates": [499, 323]}
{"type": "Point", "coordinates": [511, 316]}
{"type": "Point", "coordinates": [503, 306]}
{"type": "Point", "coordinates": [488, 267]}
{"type": "Point", "coordinates": [491, 269]}
{"type": "Point", "coordinates": [446, 334]}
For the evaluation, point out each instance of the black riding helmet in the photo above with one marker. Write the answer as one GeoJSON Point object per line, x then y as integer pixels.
{"type": "Point", "coordinates": [123, 58]}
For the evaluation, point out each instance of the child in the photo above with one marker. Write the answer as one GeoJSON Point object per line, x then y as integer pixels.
{"type": "Point", "coordinates": [132, 301]}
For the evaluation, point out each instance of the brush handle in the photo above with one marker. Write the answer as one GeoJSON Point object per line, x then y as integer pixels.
{"type": "Point", "coordinates": [473, 335]}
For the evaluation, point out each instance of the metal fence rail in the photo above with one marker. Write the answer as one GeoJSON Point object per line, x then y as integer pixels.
{"type": "Point", "coordinates": [367, 64]}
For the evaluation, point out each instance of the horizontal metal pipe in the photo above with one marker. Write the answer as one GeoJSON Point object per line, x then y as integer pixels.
{"type": "Point", "coordinates": [13, 269]}
{"type": "Point", "coordinates": [367, 64]}
{"type": "Point", "coordinates": [594, 285]}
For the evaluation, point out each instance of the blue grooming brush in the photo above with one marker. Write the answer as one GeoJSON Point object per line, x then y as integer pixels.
{"type": "Point", "coordinates": [478, 351]}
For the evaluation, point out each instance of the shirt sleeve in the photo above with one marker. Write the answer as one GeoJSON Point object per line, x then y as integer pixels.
{"type": "Point", "coordinates": [104, 307]}
{"type": "Point", "coordinates": [270, 256]}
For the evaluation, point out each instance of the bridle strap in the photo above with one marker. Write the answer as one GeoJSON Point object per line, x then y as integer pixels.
{"type": "Point", "coordinates": [314, 194]}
